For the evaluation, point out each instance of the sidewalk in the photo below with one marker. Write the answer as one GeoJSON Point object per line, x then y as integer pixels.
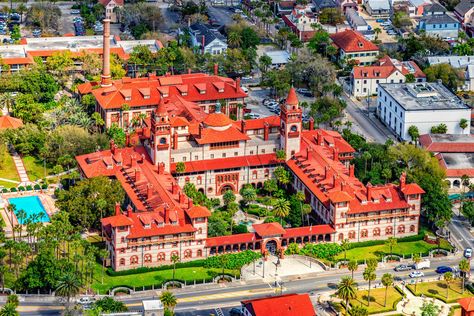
{"type": "Point", "coordinates": [20, 168]}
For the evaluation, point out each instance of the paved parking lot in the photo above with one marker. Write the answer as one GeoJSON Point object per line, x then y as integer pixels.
{"type": "Point", "coordinates": [384, 37]}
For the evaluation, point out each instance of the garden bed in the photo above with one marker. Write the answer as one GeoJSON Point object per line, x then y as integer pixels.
{"type": "Point", "coordinates": [377, 298]}
{"type": "Point", "coordinates": [437, 289]}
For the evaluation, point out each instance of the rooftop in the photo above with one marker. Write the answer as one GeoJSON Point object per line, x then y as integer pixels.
{"type": "Point", "coordinates": [278, 56]}
{"type": "Point", "coordinates": [458, 160]}
{"type": "Point", "coordinates": [352, 41]}
{"type": "Point", "coordinates": [455, 61]}
{"type": "Point", "coordinates": [283, 305]}
{"type": "Point", "coordinates": [421, 96]}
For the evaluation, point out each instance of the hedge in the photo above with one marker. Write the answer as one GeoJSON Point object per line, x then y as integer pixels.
{"type": "Point", "coordinates": [44, 186]}
{"type": "Point", "coordinates": [189, 264]}
{"type": "Point", "coordinates": [13, 190]}
{"type": "Point", "coordinates": [21, 188]}
{"type": "Point", "coordinates": [369, 243]}
{"type": "Point", "coordinates": [37, 187]}
{"type": "Point", "coordinates": [5, 190]}
{"type": "Point", "coordinates": [232, 261]}
{"type": "Point", "coordinates": [29, 188]}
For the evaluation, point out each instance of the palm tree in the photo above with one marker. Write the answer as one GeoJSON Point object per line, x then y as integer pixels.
{"type": "Point", "coordinates": [369, 275]}
{"type": "Point", "coordinates": [168, 300]}
{"type": "Point", "coordinates": [301, 198]}
{"type": "Point", "coordinates": [281, 208]}
{"type": "Point", "coordinates": [13, 299]}
{"type": "Point", "coordinates": [465, 267]}
{"type": "Point", "coordinates": [248, 194]}
{"type": "Point", "coordinates": [306, 210]}
{"type": "Point", "coordinates": [3, 271]}
{"type": "Point", "coordinates": [377, 31]}
{"type": "Point", "coordinates": [174, 259]}
{"type": "Point", "coordinates": [366, 156]}
{"type": "Point", "coordinates": [7, 99]}
{"type": "Point", "coordinates": [346, 290]}
{"type": "Point", "coordinates": [416, 259]}
{"type": "Point", "coordinates": [448, 278]}
{"type": "Point", "coordinates": [234, 39]}
{"type": "Point", "coordinates": [9, 310]}
{"type": "Point", "coordinates": [68, 286]}
{"type": "Point", "coordinates": [391, 242]}
{"type": "Point", "coordinates": [103, 253]}
{"type": "Point", "coordinates": [414, 133]}
{"type": "Point", "coordinates": [387, 280]}
{"type": "Point", "coordinates": [345, 246]}
{"type": "Point", "coordinates": [463, 124]}
{"type": "Point", "coordinates": [352, 266]}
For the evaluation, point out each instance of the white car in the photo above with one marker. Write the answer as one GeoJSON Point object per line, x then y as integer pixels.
{"type": "Point", "coordinates": [416, 274]}
{"type": "Point", "coordinates": [86, 300]}
{"type": "Point", "coordinates": [468, 253]}
{"type": "Point", "coordinates": [253, 115]}
{"type": "Point", "coordinates": [271, 104]}
{"type": "Point", "coordinates": [245, 89]}
{"type": "Point", "coordinates": [75, 11]}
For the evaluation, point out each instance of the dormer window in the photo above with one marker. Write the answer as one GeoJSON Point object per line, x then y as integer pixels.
{"type": "Point", "coordinates": [360, 44]}
{"type": "Point", "coordinates": [127, 94]}
{"type": "Point", "coordinates": [147, 226]}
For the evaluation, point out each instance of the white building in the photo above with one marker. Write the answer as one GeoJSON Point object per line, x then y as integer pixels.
{"type": "Point", "coordinates": [279, 58]}
{"type": "Point", "coordinates": [209, 40]}
{"type": "Point", "coordinates": [422, 104]}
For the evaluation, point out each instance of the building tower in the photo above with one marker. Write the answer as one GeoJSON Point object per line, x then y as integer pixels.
{"type": "Point", "coordinates": [290, 126]}
{"type": "Point", "coordinates": [161, 136]}
{"type": "Point", "coordinates": [105, 77]}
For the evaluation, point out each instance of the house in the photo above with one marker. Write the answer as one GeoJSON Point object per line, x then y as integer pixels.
{"type": "Point", "coordinates": [467, 306]}
{"type": "Point", "coordinates": [465, 63]}
{"type": "Point", "coordinates": [417, 7]}
{"type": "Point", "coordinates": [153, 308]}
{"type": "Point", "coordinates": [365, 79]}
{"type": "Point", "coordinates": [285, 7]}
{"type": "Point", "coordinates": [300, 20]}
{"type": "Point", "coordinates": [357, 22]}
{"type": "Point", "coordinates": [352, 45]}
{"type": "Point", "coordinates": [283, 305]}
{"type": "Point", "coordinates": [206, 39]}
{"type": "Point", "coordinates": [279, 58]}
{"type": "Point", "coordinates": [378, 8]}
{"type": "Point", "coordinates": [346, 4]}
{"type": "Point", "coordinates": [422, 104]}
{"type": "Point", "coordinates": [110, 9]}
{"type": "Point", "coordinates": [324, 4]}
{"type": "Point", "coordinates": [437, 22]}
{"type": "Point", "coordinates": [464, 12]}
{"type": "Point", "coordinates": [455, 154]}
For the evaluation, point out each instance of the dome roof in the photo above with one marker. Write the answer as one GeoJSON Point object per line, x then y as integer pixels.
{"type": "Point", "coordinates": [217, 120]}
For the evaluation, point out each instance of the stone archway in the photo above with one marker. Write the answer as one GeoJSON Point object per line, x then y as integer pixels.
{"type": "Point", "coordinates": [225, 187]}
{"type": "Point", "coordinates": [271, 246]}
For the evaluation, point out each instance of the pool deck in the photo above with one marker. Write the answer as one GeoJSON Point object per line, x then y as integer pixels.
{"type": "Point", "coordinates": [45, 197]}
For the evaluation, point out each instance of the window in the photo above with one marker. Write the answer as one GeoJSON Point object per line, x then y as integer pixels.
{"type": "Point", "coordinates": [147, 258]}
{"type": "Point", "coordinates": [161, 256]}
{"type": "Point", "coordinates": [134, 260]}
{"type": "Point", "coordinates": [122, 262]}
{"type": "Point", "coordinates": [376, 232]}
{"type": "Point", "coordinates": [199, 253]}
{"type": "Point", "coordinates": [401, 229]}
{"type": "Point", "coordinates": [352, 234]}
{"type": "Point", "coordinates": [389, 230]}
{"type": "Point", "coordinates": [364, 233]}
{"type": "Point", "coordinates": [212, 156]}
{"type": "Point", "coordinates": [162, 140]}
{"type": "Point", "coordinates": [224, 155]}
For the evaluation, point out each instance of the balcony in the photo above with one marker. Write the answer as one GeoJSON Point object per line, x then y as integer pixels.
{"type": "Point", "coordinates": [380, 216]}
{"type": "Point", "coordinates": [293, 134]}
{"type": "Point", "coordinates": [159, 241]}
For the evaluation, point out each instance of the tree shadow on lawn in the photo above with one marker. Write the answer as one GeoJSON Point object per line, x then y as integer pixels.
{"type": "Point", "coordinates": [366, 299]}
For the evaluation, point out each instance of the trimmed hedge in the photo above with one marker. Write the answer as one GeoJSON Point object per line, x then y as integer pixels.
{"type": "Point", "coordinates": [13, 190]}
{"type": "Point", "coordinates": [37, 187]}
{"type": "Point", "coordinates": [370, 243]}
{"type": "Point", "coordinates": [5, 190]}
{"type": "Point", "coordinates": [189, 264]}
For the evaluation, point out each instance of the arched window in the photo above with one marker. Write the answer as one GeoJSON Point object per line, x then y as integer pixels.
{"type": "Point", "coordinates": [412, 228]}
{"type": "Point", "coordinates": [199, 253]}
{"type": "Point", "coordinates": [200, 230]}
{"type": "Point", "coordinates": [147, 258]}
{"type": "Point", "coordinates": [188, 253]}
{"type": "Point", "coordinates": [161, 256]}
{"type": "Point", "coordinates": [174, 253]}
{"type": "Point", "coordinates": [122, 262]}
{"type": "Point", "coordinates": [389, 230]}
{"type": "Point", "coordinates": [341, 237]}
{"type": "Point", "coordinates": [162, 140]}
{"type": "Point", "coordinates": [376, 232]}
{"type": "Point", "coordinates": [456, 183]}
{"type": "Point", "coordinates": [294, 128]}
{"type": "Point", "coordinates": [134, 260]}
{"type": "Point", "coordinates": [364, 233]}
{"type": "Point", "coordinates": [401, 229]}
{"type": "Point", "coordinates": [352, 234]}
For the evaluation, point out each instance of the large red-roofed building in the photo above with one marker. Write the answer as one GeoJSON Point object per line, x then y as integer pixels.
{"type": "Point", "coordinates": [283, 305]}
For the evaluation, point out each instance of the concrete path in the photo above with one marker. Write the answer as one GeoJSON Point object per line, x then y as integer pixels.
{"type": "Point", "coordinates": [20, 168]}
{"type": "Point", "coordinates": [9, 180]}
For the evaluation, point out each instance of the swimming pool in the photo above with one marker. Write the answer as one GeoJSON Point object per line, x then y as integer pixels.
{"type": "Point", "coordinates": [31, 205]}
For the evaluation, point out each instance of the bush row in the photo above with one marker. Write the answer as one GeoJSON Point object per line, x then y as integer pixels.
{"type": "Point", "coordinates": [369, 243]}
{"type": "Point", "coordinates": [44, 186]}
{"type": "Point", "coordinates": [189, 264]}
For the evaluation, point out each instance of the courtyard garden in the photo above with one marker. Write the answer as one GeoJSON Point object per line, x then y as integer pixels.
{"type": "Point", "coordinates": [439, 290]}
{"type": "Point", "coordinates": [377, 300]}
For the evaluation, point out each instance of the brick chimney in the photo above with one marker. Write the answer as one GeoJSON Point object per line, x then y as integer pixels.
{"type": "Point", "coordinates": [369, 192]}
{"type": "Point", "coordinates": [243, 124]}
{"type": "Point", "coordinates": [133, 161]}
{"type": "Point", "coordinates": [336, 182]}
{"type": "Point", "coordinates": [189, 70]}
{"type": "Point", "coordinates": [112, 146]}
{"type": "Point", "coordinates": [237, 84]}
{"type": "Point", "coordinates": [137, 174]}
{"type": "Point", "coordinates": [190, 203]}
{"type": "Point", "coordinates": [216, 69]}
{"type": "Point", "coordinates": [335, 154]}
{"type": "Point", "coordinates": [182, 198]}
{"type": "Point", "coordinates": [161, 168]}
{"type": "Point", "coordinates": [105, 78]}
{"type": "Point", "coordinates": [203, 43]}
{"type": "Point", "coordinates": [351, 171]}
{"type": "Point", "coordinates": [200, 129]}
{"type": "Point", "coordinates": [266, 130]}
{"type": "Point", "coordinates": [166, 214]}
{"type": "Point", "coordinates": [127, 139]}
{"type": "Point", "coordinates": [175, 141]}
{"type": "Point", "coordinates": [149, 191]}
{"type": "Point", "coordinates": [129, 210]}
{"type": "Point", "coordinates": [319, 138]}
{"type": "Point", "coordinates": [174, 188]}
{"type": "Point", "coordinates": [117, 209]}
{"type": "Point", "coordinates": [403, 180]}
{"type": "Point", "coordinates": [311, 123]}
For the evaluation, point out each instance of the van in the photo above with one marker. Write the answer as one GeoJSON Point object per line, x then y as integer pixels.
{"type": "Point", "coordinates": [424, 264]}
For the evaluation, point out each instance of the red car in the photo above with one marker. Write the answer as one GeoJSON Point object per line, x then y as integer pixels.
{"type": "Point", "coordinates": [246, 111]}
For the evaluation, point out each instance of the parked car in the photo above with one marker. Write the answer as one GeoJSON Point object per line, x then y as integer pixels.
{"type": "Point", "coordinates": [424, 264]}
{"type": "Point", "coordinates": [245, 89]}
{"type": "Point", "coordinates": [468, 253]}
{"type": "Point", "coordinates": [380, 20]}
{"type": "Point", "coordinates": [86, 300]}
{"type": "Point", "coordinates": [302, 90]}
{"type": "Point", "coordinates": [403, 267]}
{"type": "Point", "coordinates": [246, 111]}
{"type": "Point", "coordinates": [416, 274]}
{"type": "Point", "coordinates": [443, 269]}
{"type": "Point", "coordinates": [75, 11]}
{"type": "Point", "coordinates": [253, 115]}
{"type": "Point", "coordinates": [36, 33]}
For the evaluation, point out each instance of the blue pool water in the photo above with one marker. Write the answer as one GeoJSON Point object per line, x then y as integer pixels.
{"type": "Point", "coordinates": [31, 205]}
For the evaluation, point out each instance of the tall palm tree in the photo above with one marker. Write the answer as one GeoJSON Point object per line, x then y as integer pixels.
{"type": "Point", "coordinates": [465, 267]}
{"type": "Point", "coordinates": [234, 39]}
{"type": "Point", "coordinates": [9, 310]}
{"type": "Point", "coordinates": [301, 198]}
{"type": "Point", "coordinates": [174, 260]}
{"type": "Point", "coordinates": [68, 286]}
{"type": "Point", "coordinates": [416, 259]}
{"type": "Point", "coordinates": [103, 253]}
{"type": "Point", "coordinates": [168, 300]}
{"type": "Point", "coordinates": [377, 31]}
{"type": "Point", "coordinates": [345, 246]}
{"type": "Point", "coordinates": [448, 278]}
{"type": "Point", "coordinates": [346, 290]}
{"type": "Point", "coordinates": [7, 100]}
{"type": "Point", "coordinates": [369, 275]}
{"type": "Point", "coordinates": [387, 280]}
{"type": "Point", "coordinates": [306, 209]}
{"type": "Point", "coordinates": [281, 208]}
{"type": "Point", "coordinates": [352, 266]}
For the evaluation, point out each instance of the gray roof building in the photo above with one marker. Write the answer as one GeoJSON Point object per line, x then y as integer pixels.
{"type": "Point", "coordinates": [199, 30]}
{"type": "Point", "coordinates": [464, 6]}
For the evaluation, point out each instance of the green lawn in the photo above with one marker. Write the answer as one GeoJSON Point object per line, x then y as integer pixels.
{"type": "Point", "coordinates": [377, 299]}
{"type": "Point", "coordinates": [437, 289]}
{"type": "Point", "coordinates": [35, 168]}
{"type": "Point", "coordinates": [155, 277]}
{"type": "Point", "coordinates": [8, 171]}
{"type": "Point", "coordinates": [405, 248]}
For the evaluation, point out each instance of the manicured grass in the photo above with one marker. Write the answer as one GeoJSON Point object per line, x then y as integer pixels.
{"type": "Point", "coordinates": [437, 289]}
{"type": "Point", "coordinates": [402, 248]}
{"type": "Point", "coordinates": [35, 168]}
{"type": "Point", "coordinates": [155, 277]}
{"type": "Point", "coordinates": [8, 171]}
{"type": "Point", "coordinates": [377, 299]}
{"type": "Point", "coordinates": [8, 185]}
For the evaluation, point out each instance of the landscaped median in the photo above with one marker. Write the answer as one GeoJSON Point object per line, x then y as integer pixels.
{"type": "Point", "coordinates": [377, 299]}
{"type": "Point", "coordinates": [437, 289]}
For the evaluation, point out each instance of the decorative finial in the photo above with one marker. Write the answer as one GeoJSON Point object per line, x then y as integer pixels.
{"type": "Point", "coordinates": [218, 107]}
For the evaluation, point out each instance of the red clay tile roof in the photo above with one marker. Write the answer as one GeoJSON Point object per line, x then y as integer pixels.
{"type": "Point", "coordinates": [467, 303]}
{"type": "Point", "coordinates": [117, 220]}
{"type": "Point", "coordinates": [227, 163]}
{"type": "Point", "coordinates": [217, 120]}
{"type": "Point", "coordinates": [283, 305]}
{"type": "Point", "coordinates": [179, 121]}
{"type": "Point", "coordinates": [10, 122]}
{"type": "Point", "coordinates": [292, 98]}
{"type": "Point", "coordinates": [231, 239]}
{"type": "Point", "coordinates": [211, 136]}
{"type": "Point", "coordinates": [351, 41]}
{"type": "Point", "coordinates": [268, 229]}
{"type": "Point", "coordinates": [427, 142]}
{"type": "Point", "coordinates": [412, 188]}
{"type": "Point", "coordinates": [198, 211]}
{"type": "Point", "coordinates": [372, 72]}
{"type": "Point", "coordinates": [308, 231]}
{"type": "Point", "coordinates": [273, 121]}
{"type": "Point", "coordinates": [339, 196]}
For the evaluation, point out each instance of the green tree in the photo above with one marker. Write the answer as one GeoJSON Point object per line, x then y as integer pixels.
{"type": "Point", "coordinates": [180, 167]}
{"type": "Point", "coordinates": [377, 32]}
{"type": "Point", "coordinates": [280, 154]}
{"type": "Point", "coordinates": [346, 290]}
{"type": "Point", "coordinates": [270, 186]}
{"type": "Point", "coordinates": [450, 76]}
{"type": "Point", "coordinates": [282, 175]}
{"type": "Point", "coordinates": [68, 286]}
{"type": "Point", "coordinates": [391, 242]}
{"type": "Point", "coordinates": [264, 62]}
{"type": "Point", "coordinates": [9, 310]}
{"type": "Point", "coordinates": [281, 208]}
{"type": "Point", "coordinates": [414, 133]}
{"type": "Point", "coordinates": [358, 311]}
{"type": "Point", "coordinates": [13, 299]}
{"type": "Point", "coordinates": [463, 123]}
{"type": "Point", "coordinates": [174, 260]}
{"type": "Point", "coordinates": [109, 305]}
{"type": "Point", "coordinates": [387, 280]}
{"type": "Point", "coordinates": [448, 278]}
{"type": "Point", "coordinates": [416, 259]}
{"type": "Point", "coordinates": [352, 266]}
{"type": "Point", "coordinates": [467, 209]}
{"type": "Point", "coordinates": [429, 309]}
{"type": "Point", "coordinates": [248, 194]}
{"type": "Point", "coordinates": [345, 245]}
{"type": "Point", "coordinates": [168, 299]}
{"type": "Point", "coordinates": [331, 16]}
{"type": "Point", "coordinates": [228, 197]}
{"type": "Point", "coordinates": [465, 268]}
{"type": "Point", "coordinates": [439, 129]}
{"type": "Point", "coordinates": [369, 276]}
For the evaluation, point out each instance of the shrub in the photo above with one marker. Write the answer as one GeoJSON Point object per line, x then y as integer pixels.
{"type": "Point", "coordinates": [13, 190]}
{"type": "Point", "coordinates": [232, 261]}
{"type": "Point", "coordinates": [29, 188]}
{"type": "Point", "coordinates": [321, 251]}
{"type": "Point", "coordinates": [189, 264]}
{"type": "Point", "coordinates": [21, 188]}
{"type": "Point", "coordinates": [37, 187]}
{"type": "Point", "coordinates": [4, 190]}
{"type": "Point", "coordinates": [44, 186]}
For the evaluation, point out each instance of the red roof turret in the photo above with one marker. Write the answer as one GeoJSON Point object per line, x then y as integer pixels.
{"type": "Point", "coordinates": [292, 98]}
